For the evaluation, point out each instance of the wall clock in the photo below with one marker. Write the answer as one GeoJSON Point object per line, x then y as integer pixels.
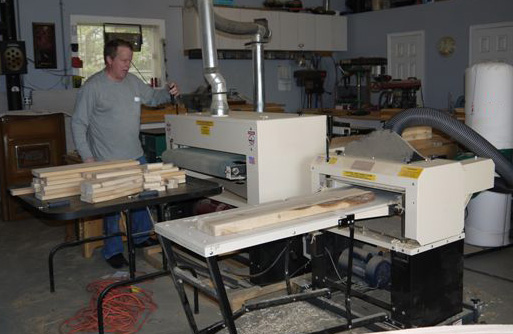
{"type": "Point", "coordinates": [446, 46]}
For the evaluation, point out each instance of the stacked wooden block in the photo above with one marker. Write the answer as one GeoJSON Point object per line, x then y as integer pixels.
{"type": "Point", "coordinates": [160, 176]}
{"type": "Point", "coordinates": [62, 181]}
{"type": "Point", "coordinates": [105, 185]}
{"type": "Point", "coordinates": [101, 181]}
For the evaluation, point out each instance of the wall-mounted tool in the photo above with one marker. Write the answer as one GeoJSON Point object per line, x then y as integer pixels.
{"type": "Point", "coordinates": [13, 58]}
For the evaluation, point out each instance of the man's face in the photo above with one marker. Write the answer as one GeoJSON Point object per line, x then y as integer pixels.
{"type": "Point", "coordinates": [118, 67]}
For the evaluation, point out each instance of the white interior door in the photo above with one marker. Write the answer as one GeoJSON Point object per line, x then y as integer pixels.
{"type": "Point", "coordinates": [491, 42]}
{"type": "Point", "coordinates": [405, 55]}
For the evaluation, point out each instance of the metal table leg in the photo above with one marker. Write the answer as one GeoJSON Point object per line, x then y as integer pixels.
{"type": "Point", "coordinates": [167, 247]}
{"type": "Point", "coordinates": [130, 245]}
{"type": "Point", "coordinates": [224, 303]}
{"type": "Point", "coordinates": [71, 244]}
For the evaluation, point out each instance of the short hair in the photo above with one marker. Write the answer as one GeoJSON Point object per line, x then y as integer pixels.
{"type": "Point", "coordinates": [111, 48]}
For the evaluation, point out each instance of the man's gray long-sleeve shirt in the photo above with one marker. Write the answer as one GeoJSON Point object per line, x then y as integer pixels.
{"type": "Point", "coordinates": [106, 120]}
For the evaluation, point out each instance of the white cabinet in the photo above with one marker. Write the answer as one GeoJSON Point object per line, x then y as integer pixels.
{"type": "Point", "coordinates": [297, 32]}
{"type": "Point", "coordinates": [290, 31]}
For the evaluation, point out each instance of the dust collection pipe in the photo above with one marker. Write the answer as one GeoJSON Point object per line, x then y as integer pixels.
{"type": "Point", "coordinates": [208, 20]}
{"type": "Point", "coordinates": [460, 132]}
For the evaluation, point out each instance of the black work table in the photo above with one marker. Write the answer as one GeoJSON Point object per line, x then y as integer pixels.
{"type": "Point", "coordinates": [192, 189]}
{"type": "Point", "coordinates": [74, 208]}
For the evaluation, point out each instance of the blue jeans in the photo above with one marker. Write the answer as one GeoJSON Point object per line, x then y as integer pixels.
{"type": "Point", "coordinates": [140, 220]}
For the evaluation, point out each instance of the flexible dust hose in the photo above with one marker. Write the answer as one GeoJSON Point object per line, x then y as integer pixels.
{"type": "Point", "coordinates": [460, 132]}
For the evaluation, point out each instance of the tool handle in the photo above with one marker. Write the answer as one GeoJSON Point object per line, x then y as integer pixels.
{"type": "Point", "coordinates": [148, 193]}
{"type": "Point", "coordinates": [58, 204]}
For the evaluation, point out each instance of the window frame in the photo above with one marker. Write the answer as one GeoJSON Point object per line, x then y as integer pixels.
{"type": "Point", "coordinates": [76, 20]}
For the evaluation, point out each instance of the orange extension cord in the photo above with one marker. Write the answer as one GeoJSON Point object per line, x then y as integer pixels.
{"type": "Point", "coordinates": [125, 310]}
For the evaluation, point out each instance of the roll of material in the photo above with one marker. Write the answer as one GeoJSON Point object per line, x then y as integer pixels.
{"type": "Point", "coordinates": [489, 102]}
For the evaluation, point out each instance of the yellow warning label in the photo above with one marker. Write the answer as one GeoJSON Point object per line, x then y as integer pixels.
{"type": "Point", "coordinates": [363, 176]}
{"type": "Point", "coordinates": [205, 127]}
{"type": "Point", "coordinates": [332, 161]}
{"type": "Point", "coordinates": [411, 172]}
{"type": "Point", "coordinates": [205, 123]}
{"type": "Point", "coordinates": [205, 130]}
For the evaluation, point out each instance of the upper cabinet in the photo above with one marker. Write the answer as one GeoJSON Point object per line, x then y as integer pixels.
{"type": "Point", "coordinates": [290, 31]}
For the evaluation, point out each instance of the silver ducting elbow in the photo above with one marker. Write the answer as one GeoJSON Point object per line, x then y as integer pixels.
{"type": "Point", "coordinates": [209, 20]}
{"type": "Point", "coordinates": [219, 105]}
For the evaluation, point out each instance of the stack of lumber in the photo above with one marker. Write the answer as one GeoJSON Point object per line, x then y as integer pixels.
{"type": "Point", "coordinates": [429, 142]}
{"type": "Point", "coordinates": [62, 181]}
{"type": "Point", "coordinates": [109, 184]}
{"type": "Point", "coordinates": [159, 176]}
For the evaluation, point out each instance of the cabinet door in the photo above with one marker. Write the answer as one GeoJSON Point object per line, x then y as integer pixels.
{"type": "Point", "coordinates": [289, 27]}
{"type": "Point", "coordinates": [339, 33]}
{"type": "Point", "coordinates": [323, 33]}
{"type": "Point", "coordinates": [307, 32]}
{"type": "Point", "coordinates": [297, 31]}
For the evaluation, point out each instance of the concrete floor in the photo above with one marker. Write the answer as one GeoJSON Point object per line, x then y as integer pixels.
{"type": "Point", "coordinates": [27, 306]}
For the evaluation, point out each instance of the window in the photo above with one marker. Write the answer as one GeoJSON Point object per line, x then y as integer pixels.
{"type": "Point", "coordinates": [147, 64]}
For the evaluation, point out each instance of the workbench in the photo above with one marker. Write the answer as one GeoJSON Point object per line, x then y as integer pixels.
{"type": "Point", "coordinates": [74, 208]}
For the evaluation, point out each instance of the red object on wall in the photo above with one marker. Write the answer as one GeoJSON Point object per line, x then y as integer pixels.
{"type": "Point", "coordinates": [76, 62]}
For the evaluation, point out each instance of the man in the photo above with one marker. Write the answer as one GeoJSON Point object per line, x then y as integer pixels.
{"type": "Point", "coordinates": [105, 126]}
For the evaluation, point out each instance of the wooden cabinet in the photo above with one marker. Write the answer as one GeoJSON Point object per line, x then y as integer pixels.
{"type": "Point", "coordinates": [28, 142]}
{"type": "Point", "coordinates": [290, 31]}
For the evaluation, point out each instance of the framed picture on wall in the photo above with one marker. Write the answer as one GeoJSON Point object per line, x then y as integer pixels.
{"type": "Point", "coordinates": [45, 54]}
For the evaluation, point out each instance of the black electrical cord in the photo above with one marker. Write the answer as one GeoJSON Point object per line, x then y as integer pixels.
{"type": "Point", "coordinates": [263, 272]}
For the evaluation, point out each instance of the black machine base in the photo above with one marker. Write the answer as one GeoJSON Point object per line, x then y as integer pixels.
{"type": "Point", "coordinates": [425, 288]}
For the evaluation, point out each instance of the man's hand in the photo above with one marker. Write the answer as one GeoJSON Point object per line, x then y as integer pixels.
{"type": "Point", "coordinates": [173, 89]}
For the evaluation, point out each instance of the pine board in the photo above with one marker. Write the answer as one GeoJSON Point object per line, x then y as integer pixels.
{"type": "Point", "coordinates": [251, 220]}
{"type": "Point", "coordinates": [84, 167]}
{"type": "Point", "coordinates": [22, 191]}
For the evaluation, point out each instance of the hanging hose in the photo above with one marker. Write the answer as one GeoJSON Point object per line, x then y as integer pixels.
{"type": "Point", "coordinates": [460, 132]}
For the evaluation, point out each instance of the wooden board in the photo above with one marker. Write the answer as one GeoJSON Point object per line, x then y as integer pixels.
{"type": "Point", "coordinates": [22, 191]}
{"type": "Point", "coordinates": [85, 167]}
{"type": "Point", "coordinates": [244, 221]}
{"type": "Point", "coordinates": [417, 133]}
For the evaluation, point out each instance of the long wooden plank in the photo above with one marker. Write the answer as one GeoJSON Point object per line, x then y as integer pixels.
{"type": "Point", "coordinates": [44, 197]}
{"type": "Point", "coordinates": [251, 220]}
{"type": "Point", "coordinates": [61, 185]}
{"type": "Point", "coordinates": [84, 167]}
{"type": "Point", "coordinates": [52, 182]}
{"type": "Point", "coordinates": [74, 190]}
{"type": "Point", "coordinates": [111, 189]}
{"type": "Point", "coordinates": [91, 185]}
{"type": "Point", "coordinates": [60, 178]}
{"type": "Point", "coordinates": [113, 196]}
{"type": "Point", "coordinates": [22, 191]}
{"type": "Point", "coordinates": [114, 173]}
